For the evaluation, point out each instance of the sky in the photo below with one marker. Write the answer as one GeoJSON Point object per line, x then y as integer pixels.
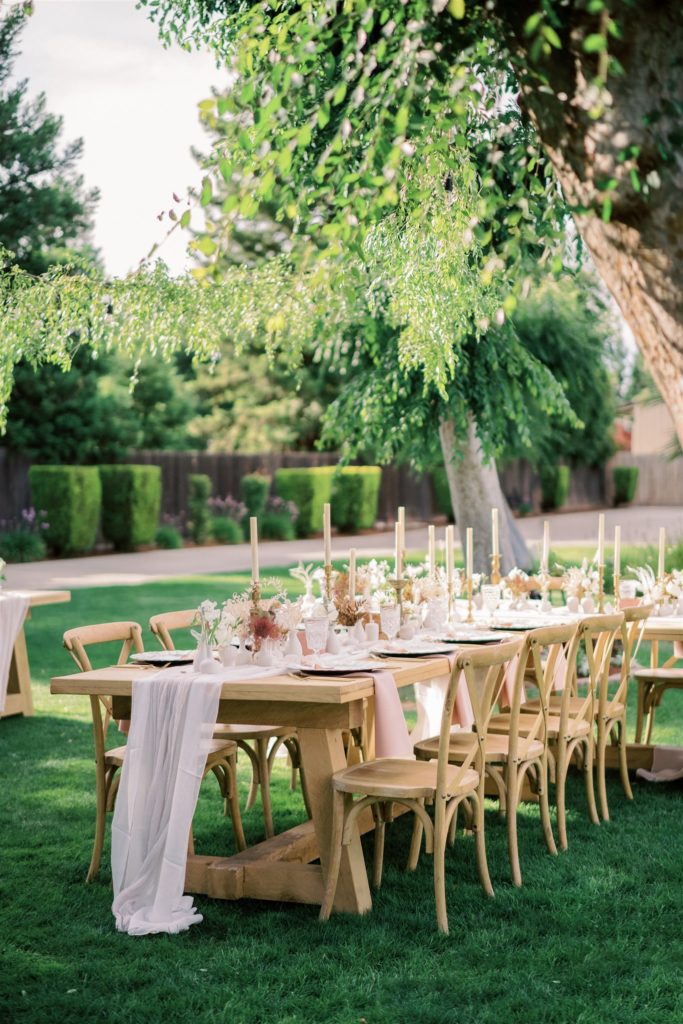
{"type": "Point", "coordinates": [133, 103]}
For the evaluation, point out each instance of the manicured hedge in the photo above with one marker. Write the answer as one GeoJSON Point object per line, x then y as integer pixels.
{"type": "Point", "coordinates": [355, 497]}
{"type": "Point", "coordinates": [72, 498]}
{"type": "Point", "coordinates": [309, 489]}
{"type": "Point", "coordinates": [131, 503]}
{"type": "Point", "coordinates": [199, 511]}
{"type": "Point", "coordinates": [254, 491]}
{"type": "Point", "coordinates": [226, 530]}
{"type": "Point", "coordinates": [554, 486]}
{"type": "Point", "coordinates": [625, 483]}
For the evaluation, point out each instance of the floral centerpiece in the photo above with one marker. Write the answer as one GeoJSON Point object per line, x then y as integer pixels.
{"type": "Point", "coordinates": [516, 585]}
{"type": "Point", "coordinates": [666, 594]}
{"type": "Point", "coordinates": [580, 584]}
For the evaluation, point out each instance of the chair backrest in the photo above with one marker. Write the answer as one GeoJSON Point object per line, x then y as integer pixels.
{"type": "Point", "coordinates": [483, 669]}
{"type": "Point", "coordinates": [78, 639]}
{"type": "Point", "coordinates": [598, 634]}
{"type": "Point", "coordinates": [161, 625]}
{"type": "Point", "coordinates": [632, 630]}
{"type": "Point", "coordinates": [551, 652]}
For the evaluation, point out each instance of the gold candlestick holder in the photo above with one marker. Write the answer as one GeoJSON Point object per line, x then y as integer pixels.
{"type": "Point", "coordinates": [617, 588]}
{"type": "Point", "coordinates": [451, 599]}
{"type": "Point", "coordinates": [255, 595]}
{"type": "Point", "coordinates": [601, 587]}
{"type": "Point", "coordinates": [398, 585]}
{"type": "Point", "coordinates": [545, 589]}
{"type": "Point", "coordinates": [469, 584]}
{"type": "Point", "coordinates": [495, 570]}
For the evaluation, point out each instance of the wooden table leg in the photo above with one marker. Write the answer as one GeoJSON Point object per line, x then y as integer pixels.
{"type": "Point", "coordinates": [19, 697]}
{"type": "Point", "coordinates": [322, 751]}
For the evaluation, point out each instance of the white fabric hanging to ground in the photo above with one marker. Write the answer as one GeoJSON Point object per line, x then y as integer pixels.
{"type": "Point", "coordinates": [13, 608]}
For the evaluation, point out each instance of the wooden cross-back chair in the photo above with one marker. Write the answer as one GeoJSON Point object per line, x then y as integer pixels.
{"type": "Point", "coordinates": [521, 748]}
{"type": "Point", "coordinates": [261, 736]}
{"type": "Point", "coordinates": [411, 783]}
{"type": "Point", "coordinates": [653, 682]}
{"type": "Point", "coordinates": [222, 758]}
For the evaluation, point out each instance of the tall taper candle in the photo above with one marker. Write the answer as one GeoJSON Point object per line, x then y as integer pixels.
{"type": "Point", "coordinates": [398, 557]}
{"type": "Point", "coordinates": [402, 523]}
{"type": "Point", "coordinates": [327, 532]}
{"type": "Point", "coordinates": [450, 554]}
{"type": "Point", "coordinates": [617, 552]}
{"type": "Point", "coordinates": [432, 549]}
{"type": "Point", "coordinates": [662, 548]}
{"type": "Point", "coordinates": [495, 542]}
{"type": "Point", "coordinates": [546, 546]}
{"type": "Point", "coordinates": [469, 546]}
{"type": "Point", "coordinates": [253, 535]}
{"type": "Point", "coordinates": [352, 573]}
{"type": "Point", "coordinates": [601, 539]}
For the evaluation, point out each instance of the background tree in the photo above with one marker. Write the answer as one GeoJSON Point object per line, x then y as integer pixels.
{"type": "Point", "coordinates": [44, 208]}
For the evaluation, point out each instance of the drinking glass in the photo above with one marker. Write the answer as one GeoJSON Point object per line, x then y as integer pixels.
{"type": "Point", "coordinates": [490, 595]}
{"type": "Point", "coordinates": [390, 620]}
{"type": "Point", "coordinates": [316, 633]}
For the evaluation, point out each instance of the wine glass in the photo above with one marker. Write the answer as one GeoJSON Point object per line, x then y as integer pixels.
{"type": "Point", "coordinates": [316, 634]}
{"type": "Point", "coordinates": [490, 595]}
{"type": "Point", "coordinates": [390, 620]}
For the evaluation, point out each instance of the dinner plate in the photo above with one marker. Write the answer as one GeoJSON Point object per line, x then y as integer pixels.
{"type": "Point", "coordinates": [421, 649]}
{"type": "Point", "coordinates": [338, 667]}
{"type": "Point", "coordinates": [163, 657]}
{"type": "Point", "coordinates": [474, 636]}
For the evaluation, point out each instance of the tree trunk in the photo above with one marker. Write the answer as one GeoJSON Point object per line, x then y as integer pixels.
{"type": "Point", "coordinates": [638, 251]}
{"type": "Point", "coordinates": [475, 490]}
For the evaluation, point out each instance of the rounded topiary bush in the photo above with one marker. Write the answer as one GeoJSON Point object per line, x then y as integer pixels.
{"type": "Point", "coordinates": [226, 530]}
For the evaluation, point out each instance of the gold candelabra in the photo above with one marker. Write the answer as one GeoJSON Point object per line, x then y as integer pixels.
{"type": "Point", "coordinates": [255, 595]}
{"type": "Point", "coordinates": [545, 587]}
{"type": "Point", "coordinates": [495, 569]}
{"type": "Point", "coordinates": [469, 585]}
{"type": "Point", "coordinates": [398, 585]}
{"type": "Point", "coordinates": [601, 587]}
{"type": "Point", "coordinates": [328, 585]}
{"type": "Point", "coordinates": [617, 588]}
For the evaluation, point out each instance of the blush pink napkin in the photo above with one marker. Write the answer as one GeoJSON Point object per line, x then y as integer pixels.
{"type": "Point", "coordinates": [463, 715]}
{"type": "Point", "coordinates": [559, 678]}
{"type": "Point", "coordinates": [391, 732]}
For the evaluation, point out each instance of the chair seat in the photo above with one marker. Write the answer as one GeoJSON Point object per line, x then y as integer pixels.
{"type": "Point", "coordinates": [614, 710]}
{"type": "Point", "coordinates": [672, 676]}
{"type": "Point", "coordinates": [115, 756]}
{"type": "Point", "coordinates": [250, 732]}
{"type": "Point", "coordinates": [398, 777]}
{"type": "Point", "coordinates": [218, 749]}
{"type": "Point", "coordinates": [575, 727]}
{"type": "Point", "coordinates": [496, 748]}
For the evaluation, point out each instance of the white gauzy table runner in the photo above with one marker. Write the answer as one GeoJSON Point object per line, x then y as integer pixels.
{"type": "Point", "coordinates": [13, 608]}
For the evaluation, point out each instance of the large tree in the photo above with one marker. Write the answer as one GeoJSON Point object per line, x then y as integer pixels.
{"type": "Point", "coordinates": [343, 89]}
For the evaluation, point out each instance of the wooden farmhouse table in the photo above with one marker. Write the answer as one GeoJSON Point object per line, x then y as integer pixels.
{"type": "Point", "coordinates": [19, 699]}
{"type": "Point", "coordinates": [280, 868]}
{"type": "Point", "coordinates": [667, 629]}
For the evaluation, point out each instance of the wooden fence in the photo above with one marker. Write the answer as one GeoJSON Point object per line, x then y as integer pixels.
{"type": "Point", "coordinates": [660, 482]}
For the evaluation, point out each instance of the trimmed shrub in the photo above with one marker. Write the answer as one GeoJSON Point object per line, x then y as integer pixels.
{"type": "Point", "coordinates": [254, 491]}
{"type": "Point", "coordinates": [168, 537]}
{"type": "Point", "coordinates": [554, 486]}
{"type": "Point", "coordinates": [199, 511]}
{"type": "Point", "coordinates": [278, 521]}
{"type": "Point", "coordinates": [20, 546]}
{"type": "Point", "coordinates": [355, 497]}
{"type": "Point", "coordinates": [226, 530]}
{"type": "Point", "coordinates": [625, 482]}
{"type": "Point", "coordinates": [442, 493]}
{"type": "Point", "coordinates": [72, 499]}
{"type": "Point", "coordinates": [309, 489]}
{"type": "Point", "coordinates": [131, 503]}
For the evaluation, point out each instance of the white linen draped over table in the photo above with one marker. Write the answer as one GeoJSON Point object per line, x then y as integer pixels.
{"type": "Point", "coordinates": [13, 608]}
{"type": "Point", "coordinates": [429, 698]}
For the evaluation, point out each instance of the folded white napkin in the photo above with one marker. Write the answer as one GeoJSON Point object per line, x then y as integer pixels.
{"type": "Point", "coordinates": [13, 608]}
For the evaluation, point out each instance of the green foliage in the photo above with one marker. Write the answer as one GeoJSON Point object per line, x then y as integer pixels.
{"type": "Point", "coordinates": [625, 483]}
{"type": "Point", "coordinates": [276, 526]}
{"type": "Point", "coordinates": [254, 490]}
{"type": "Point", "coordinates": [309, 489]}
{"type": "Point", "coordinates": [355, 497]}
{"type": "Point", "coordinates": [199, 511]}
{"type": "Point", "coordinates": [131, 502]}
{"type": "Point", "coordinates": [442, 492]}
{"type": "Point", "coordinates": [226, 530]}
{"type": "Point", "coordinates": [569, 329]}
{"type": "Point", "coordinates": [44, 206]}
{"type": "Point", "coordinates": [21, 546]}
{"type": "Point", "coordinates": [71, 497]}
{"type": "Point", "coordinates": [168, 537]}
{"type": "Point", "coordinates": [554, 485]}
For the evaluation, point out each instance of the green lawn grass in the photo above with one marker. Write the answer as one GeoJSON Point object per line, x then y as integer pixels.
{"type": "Point", "coordinates": [594, 935]}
